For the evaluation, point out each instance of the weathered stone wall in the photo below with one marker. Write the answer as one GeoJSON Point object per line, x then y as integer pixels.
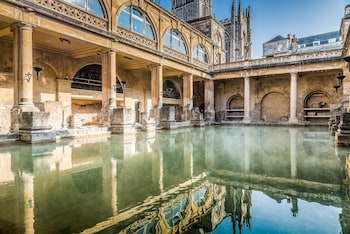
{"type": "Point", "coordinates": [270, 95]}
{"type": "Point", "coordinates": [6, 56]}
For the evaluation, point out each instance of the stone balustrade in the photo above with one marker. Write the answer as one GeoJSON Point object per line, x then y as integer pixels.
{"type": "Point", "coordinates": [305, 58]}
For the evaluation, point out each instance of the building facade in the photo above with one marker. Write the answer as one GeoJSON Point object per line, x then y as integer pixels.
{"type": "Point", "coordinates": [292, 45]}
{"type": "Point", "coordinates": [121, 64]}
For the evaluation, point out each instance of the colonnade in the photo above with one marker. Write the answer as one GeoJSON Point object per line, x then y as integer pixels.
{"type": "Point", "coordinates": [24, 87]}
{"type": "Point", "coordinates": [293, 119]}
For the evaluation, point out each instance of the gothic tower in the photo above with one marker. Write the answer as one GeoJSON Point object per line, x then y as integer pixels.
{"type": "Point", "coordinates": [198, 13]}
{"type": "Point", "coordinates": [191, 9]}
{"type": "Point", "coordinates": [238, 38]}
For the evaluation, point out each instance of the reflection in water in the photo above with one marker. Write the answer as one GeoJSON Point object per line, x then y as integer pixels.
{"type": "Point", "coordinates": [217, 179]}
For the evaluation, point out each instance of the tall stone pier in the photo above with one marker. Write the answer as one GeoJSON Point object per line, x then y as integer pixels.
{"type": "Point", "coordinates": [342, 136]}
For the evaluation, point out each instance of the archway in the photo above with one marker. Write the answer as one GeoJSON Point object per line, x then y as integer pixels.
{"type": "Point", "coordinates": [317, 107]}
{"type": "Point", "coordinates": [274, 108]}
{"type": "Point", "coordinates": [235, 108]}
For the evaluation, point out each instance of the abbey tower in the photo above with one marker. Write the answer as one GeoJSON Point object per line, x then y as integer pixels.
{"type": "Point", "coordinates": [237, 29]}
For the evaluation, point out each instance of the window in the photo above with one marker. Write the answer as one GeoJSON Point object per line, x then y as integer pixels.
{"type": "Point", "coordinates": [301, 46]}
{"type": "Point", "coordinates": [279, 47]}
{"type": "Point", "coordinates": [136, 21]}
{"type": "Point", "coordinates": [92, 6]}
{"type": "Point", "coordinates": [316, 43]}
{"type": "Point", "coordinates": [174, 40]}
{"type": "Point", "coordinates": [200, 54]}
{"type": "Point", "coordinates": [332, 40]}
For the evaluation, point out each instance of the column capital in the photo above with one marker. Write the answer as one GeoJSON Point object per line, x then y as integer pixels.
{"type": "Point", "coordinates": [154, 65]}
{"type": "Point", "coordinates": [21, 25]}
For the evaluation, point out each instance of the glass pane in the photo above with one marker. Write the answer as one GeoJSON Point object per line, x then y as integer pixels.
{"type": "Point", "coordinates": [149, 32]}
{"type": "Point", "coordinates": [167, 39]}
{"type": "Point", "coordinates": [195, 52]}
{"type": "Point", "coordinates": [175, 43]}
{"type": "Point", "coordinates": [79, 3]}
{"type": "Point", "coordinates": [137, 25]}
{"type": "Point", "coordinates": [182, 47]}
{"type": "Point", "coordinates": [95, 7]}
{"type": "Point", "coordinates": [124, 18]}
{"type": "Point", "coordinates": [136, 13]}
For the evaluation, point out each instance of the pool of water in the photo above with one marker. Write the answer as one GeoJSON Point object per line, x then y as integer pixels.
{"type": "Point", "coordinates": [219, 179]}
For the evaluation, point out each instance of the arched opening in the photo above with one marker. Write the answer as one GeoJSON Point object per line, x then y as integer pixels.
{"type": "Point", "coordinates": [274, 108]}
{"type": "Point", "coordinates": [317, 108]}
{"type": "Point", "coordinates": [88, 78]}
{"type": "Point", "coordinates": [87, 95]}
{"type": "Point", "coordinates": [170, 90]}
{"type": "Point", "coordinates": [235, 108]}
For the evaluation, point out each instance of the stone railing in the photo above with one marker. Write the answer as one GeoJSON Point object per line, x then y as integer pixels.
{"type": "Point", "coordinates": [129, 36]}
{"type": "Point", "coordinates": [305, 58]}
{"type": "Point", "coordinates": [175, 54]}
{"type": "Point", "coordinates": [73, 12]}
{"type": "Point", "coordinates": [201, 64]}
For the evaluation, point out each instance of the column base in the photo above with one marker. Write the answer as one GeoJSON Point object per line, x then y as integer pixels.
{"type": "Point", "coordinates": [293, 121]}
{"type": "Point", "coordinates": [246, 120]}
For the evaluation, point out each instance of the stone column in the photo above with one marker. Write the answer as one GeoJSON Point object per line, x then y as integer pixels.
{"type": "Point", "coordinates": [209, 113]}
{"type": "Point", "coordinates": [112, 74]}
{"type": "Point", "coordinates": [293, 152]}
{"type": "Point", "coordinates": [25, 67]}
{"type": "Point", "coordinates": [28, 205]}
{"type": "Point", "coordinates": [246, 118]}
{"type": "Point", "coordinates": [65, 97]}
{"type": "Point", "coordinates": [157, 90]}
{"type": "Point", "coordinates": [293, 98]}
{"type": "Point", "coordinates": [187, 96]}
{"type": "Point", "coordinates": [109, 96]}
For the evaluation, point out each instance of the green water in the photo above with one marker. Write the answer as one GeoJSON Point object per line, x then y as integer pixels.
{"type": "Point", "coordinates": [220, 179]}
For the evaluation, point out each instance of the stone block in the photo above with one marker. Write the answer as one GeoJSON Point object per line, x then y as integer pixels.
{"type": "Point", "coordinates": [123, 121]}
{"type": "Point", "coordinates": [35, 128]}
{"type": "Point", "coordinates": [167, 113]}
{"type": "Point", "coordinates": [34, 121]}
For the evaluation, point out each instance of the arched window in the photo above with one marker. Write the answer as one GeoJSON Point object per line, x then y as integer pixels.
{"type": "Point", "coordinates": [136, 21]}
{"type": "Point", "coordinates": [170, 90]}
{"type": "Point", "coordinates": [200, 54]}
{"type": "Point", "coordinates": [92, 6]}
{"type": "Point", "coordinates": [175, 41]}
{"type": "Point", "coordinates": [88, 78]}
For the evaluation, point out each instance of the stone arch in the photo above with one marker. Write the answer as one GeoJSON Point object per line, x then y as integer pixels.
{"type": "Point", "coordinates": [44, 86]}
{"type": "Point", "coordinates": [274, 107]}
{"type": "Point", "coordinates": [317, 99]}
{"type": "Point", "coordinates": [89, 77]}
{"type": "Point", "coordinates": [235, 102]}
{"type": "Point", "coordinates": [171, 89]}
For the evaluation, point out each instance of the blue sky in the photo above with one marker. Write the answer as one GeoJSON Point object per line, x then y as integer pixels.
{"type": "Point", "coordinates": [282, 17]}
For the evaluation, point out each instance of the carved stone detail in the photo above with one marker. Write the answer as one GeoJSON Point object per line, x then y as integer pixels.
{"type": "Point", "coordinates": [136, 38]}
{"type": "Point", "coordinates": [73, 12]}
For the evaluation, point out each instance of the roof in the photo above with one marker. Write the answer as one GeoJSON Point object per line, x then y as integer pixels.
{"type": "Point", "coordinates": [319, 37]}
{"type": "Point", "coordinates": [277, 38]}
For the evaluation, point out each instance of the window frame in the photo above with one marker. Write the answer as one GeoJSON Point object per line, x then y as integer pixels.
{"type": "Point", "coordinates": [131, 19]}
{"type": "Point", "coordinates": [179, 44]}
